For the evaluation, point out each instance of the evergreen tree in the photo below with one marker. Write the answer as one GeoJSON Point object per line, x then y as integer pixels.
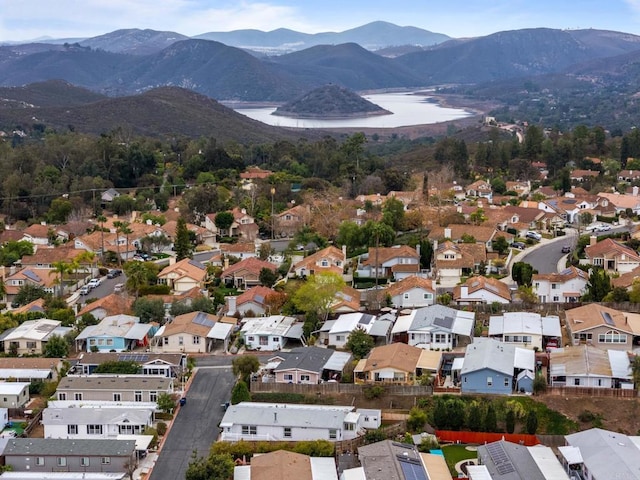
{"type": "Point", "coordinates": [490, 420]}
{"type": "Point", "coordinates": [240, 393]}
{"type": "Point", "coordinates": [182, 242]}
{"type": "Point", "coordinates": [598, 287]}
{"type": "Point", "coordinates": [532, 422]}
{"type": "Point", "coordinates": [440, 414]}
{"type": "Point", "coordinates": [475, 420]}
{"type": "Point", "coordinates": [510, 421]}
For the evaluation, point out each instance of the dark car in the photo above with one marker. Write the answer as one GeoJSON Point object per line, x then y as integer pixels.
{"type": "Point", "coordinates": [566, 249]}
{"type": "Point", "coordinates": [518, 245]}
{"type": "Point", "coordinates": [113, 273]}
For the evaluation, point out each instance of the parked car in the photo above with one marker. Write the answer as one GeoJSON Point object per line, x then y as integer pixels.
{"type": "Point", "coordinates": [118, 287]}
{"type": "Point", "coordinates": [94, 282]}
{"type": "Point", "coordinates": [533, 235]}
{"type": "Point", "coordinates": [85, 290]}
{"type": "Point", "coordinates": [518, 245]}
{"type": "Point", "coordinates": [114, 272]}
{"type": "Point", "coordinates": [602, 228]}
{"type": "Point", "coordinates": [566, 249]}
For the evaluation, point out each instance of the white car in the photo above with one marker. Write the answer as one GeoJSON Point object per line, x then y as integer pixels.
{"type": "Point", "coordinates": [602, 228]}
{"type": "Point", "coordinates": [94, 282]}
{"type": "Point", "coordinates": [534, 235]}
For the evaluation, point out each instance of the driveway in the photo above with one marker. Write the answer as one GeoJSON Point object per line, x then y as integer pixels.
{"type": "Point", "coordinates": [196, 425]}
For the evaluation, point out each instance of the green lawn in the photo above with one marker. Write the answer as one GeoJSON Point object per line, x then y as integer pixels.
{"type": "Point", "coordinates": [456, 453]}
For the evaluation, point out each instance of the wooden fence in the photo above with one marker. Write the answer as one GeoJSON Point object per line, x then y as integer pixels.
{"type": "Point", "coordinates": [337, 388]}
{"type": "Point", "coordinates": [591, 392]}
{"type": "Point", "coordinates": [392, 431]}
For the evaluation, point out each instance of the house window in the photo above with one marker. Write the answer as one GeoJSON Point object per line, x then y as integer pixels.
{"type": "Point", "coordinates": [153, 396]}
{"type": "Point", "coordinates": [598, 261]}
{"type": "Point", "coordinates": [449, 256]}
{"type": "Point", "coordinates": [612, 337]}
{"type": "Point", "coordinates": [556, 298]}
{"type": "Point", "coordinates": [427, 296]}
{"type": "Point", "coordinates": [339, 338]}
{"type": "Point", "coordinates": [264, 340]}
{"type": "Point", "coordinates": [61, 461]}
{"type": "Point", "coordinates": [137, 396]}
{"type": "Point", "coordinates": [40, 461]}
{"type": "Point", "coordinates": [489, 381]}
{"type": "Point", "coordinates": [249, 430]}
{"type": "Point", "coordinates": [196, 340]}
{"type": "Point", "coordinates": [72, 429]}
{"type": "Point", "coordinates": [84, 461]}
{"type": "Point", "coordinates": [305, 378]}
{"type": "Point", "coordinates": [109, 342]}
{"type": "Point", "coordinates": [554, 286]}
{"type": "Point", "coordinates": [576, 381]}
{"type": "Point", "coordinates": [94, 429]}
{"type": "Point", "coordinates": [599, 382]}
{"type": "Point", "coordinates": [406, 296]}
{"type": "Point", "coordinates": [105, 460]}
{"type": "Point", "coordinates": [180, 340]}
{"type": "Point", "coordinates": [287, 432]}
{"type": "Point", "coordinates": [165, 340]}
{"type": "Point", "coordinates": [324, 263]}
{"type": "Point", "coordinates": [117, 397]}
{"type": "Point", "coordinates": [506, 382]}
{"type": "Point", "coordinates": [77, 396]}
{"type": "Point", "coordinates": [288, 377]}
{"type": "Point", "coordinates": [583, 337]}
{"type": "Point", "coordinates": [62, 396]}
{"type": "Point", "coordinates": [333, 434]}
{"type": "Point", "coordinates": [31, 345]}
{"type": "Point", "coordinates": [537, 284]}
{"type": "Point", "coordinates": [441, 338]}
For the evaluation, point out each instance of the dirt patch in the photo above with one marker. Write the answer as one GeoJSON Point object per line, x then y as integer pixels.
{"type": "Point", "coordinates": [616, 414]}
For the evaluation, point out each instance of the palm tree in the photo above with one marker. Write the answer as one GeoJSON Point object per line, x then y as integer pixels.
{"type": "Point", "coordinates": [122, 227]}
{"type": "Point", "coordinates": [101, 219]}
{"type": "Point", "coordinates": [137, 276]}
{"type": "Point", "coordinates": [60, 268]}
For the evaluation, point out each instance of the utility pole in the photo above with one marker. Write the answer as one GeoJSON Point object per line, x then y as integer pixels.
{"type": "Point", "coordinates": [273, 228]}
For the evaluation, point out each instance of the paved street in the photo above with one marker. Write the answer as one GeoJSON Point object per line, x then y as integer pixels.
{"type": "Point", "coordinates": [196, 425]}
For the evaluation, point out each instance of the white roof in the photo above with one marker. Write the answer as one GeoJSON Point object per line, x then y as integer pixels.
{"type": "Point", "coordinates": [142, 441]}
{"type": "Point", "coordinates": [242, 472]}
{"type": "Point", "coordinates": [464, 323]}
{"type": "Point", "coordinates": [524, 358]}
{"type": "Point", "coordinates": [403, 323]}
{"type": "Point", "coordinates": [337, 361]}
{"type": "Point", "coordinates": [458, 362]}
{"type": "Point", "coordinates": [620, 364]}
{"type": "Point", "coordinates": [102, 416]}
{"type": "Point", "coordinates": [12, 388]}
{"type": "Point", "coordinates": [220, 331]}
{"type": "Point", "coordinates": [354, 474]}
{"type": "Point", "coordinates": [571, 454]}
{"type": "Point", "coordinates": [478, 472]}
{"type": "Point", "coordinates": [293, 415]}
{"type": "Point", "coordinates": [547, 463]}
{"type": "Point", "coordinates": [347, 322]}
{"type": "Point", "coordinates": [551, 326]}
{"type": "Point", "coordinates": [524, 323]}
{"type": "Point", "coordinates": [101, 404]}
{"type": "Point", "coordinates": [323, 468]}
{"type": "Point", "coordinates": [124, 326]}
{"type": "Point", "coordinates": [273, 325]}
{"type": "Point", "coordinates": [24, 373]}
{"type": "Point", "coordinates": [62, 476]}
{"type": "Point", "coordinates": [33, 330]}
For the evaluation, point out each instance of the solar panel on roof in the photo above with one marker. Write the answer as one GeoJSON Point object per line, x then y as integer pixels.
{"type": "Point", "coordinates": [446, 322]}
{"type": "Point", "coordinates": [197, 264]}
{"type": "Point", "coordinates": [32, 276]}
{"type": "Point", "coordinates": [366, 319]}
{"type": "Point", "coordinates": [133, 357]}
{"type": "Point", "coordinates": [607, 318]}
{"type": "Point", "coordinates": [412, 469]}
{"type": "Point", "coordinates": [500, 458]}
{"type": "Point", "coordinates": [202, 319]}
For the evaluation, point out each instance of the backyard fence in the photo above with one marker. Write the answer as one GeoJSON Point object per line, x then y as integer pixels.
{"type": "Point", "coordinates": [481, 438]}
{"type": "Point", "coordinates": [591, 392]}
{"type": "Point", "coordinates": [337, 388]}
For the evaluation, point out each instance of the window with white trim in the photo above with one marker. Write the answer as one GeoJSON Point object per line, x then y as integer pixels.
{"type": "Point", "coordinates": [489, 381]}
{"type": "Point", "coordinates": [84, 461]}
{"type": "Point", "coordinates": [72, 429]}
{"type": "Point", "coordinates": [612, 337]}
{"type": "Point", "coordinates": [333, 434]}
{"type": "Point", "coordinates": [117, 397]}
{"type": "Point", "coordinates": [77, 396]}
{"type": "Point", "coordinates": [61, 461]}
{"type": "Point", "coordinates": [288, 377]}
{"type": "Point", "coordinates": [287, 432]}
{"type": "Point", "coordinates": [105, 460]}
{"type": "Point", "coordinates": [40, 461]}
{"type": "Point", "coordinates": [249, 430]}
{"type": "Point", "coordinates": [94, 429]}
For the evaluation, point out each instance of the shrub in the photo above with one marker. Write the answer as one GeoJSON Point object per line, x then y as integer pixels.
{"type": "Point", "coordinates": [161, 428]}
{"type": "Point", "coordinates": [373, 391]}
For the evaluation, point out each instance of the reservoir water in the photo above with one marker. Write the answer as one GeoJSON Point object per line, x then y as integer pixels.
{"type": "Point", "coordinates": [408, 108]}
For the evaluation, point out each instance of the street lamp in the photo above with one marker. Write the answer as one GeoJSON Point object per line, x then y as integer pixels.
{"type": "Point", "coordinates": [273, 228]}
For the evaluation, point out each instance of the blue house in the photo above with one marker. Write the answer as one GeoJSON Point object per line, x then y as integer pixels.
{"type": "Point", "coordinates": [115, 333]}
{"type": "Point", "coordinates": [491, 366]}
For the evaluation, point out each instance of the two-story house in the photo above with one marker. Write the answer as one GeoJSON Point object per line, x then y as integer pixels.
{"type": "Point", "coordinates": [612, 256]}
{"type": "Point", "coordinates": [566, 286]}
{"type": "Point", "coordinates": [455, 260]}
{"type": "Point", "coordinates": [330, 259]}
{"type": "Point", "coordinates": [385, 262]}
{"type": "Point", "coordinates": [602, 327]}
{"type": "Point", "coordinates": [183, 275]}
{"type": "Point", "coordinates": [412, 292]}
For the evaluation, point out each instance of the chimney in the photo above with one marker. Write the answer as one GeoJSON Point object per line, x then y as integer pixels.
{"type": "Point", "coordinates": [225, 265]}
{"type": "Point", "coordinates": [418, 248]}
{"type": "Point", "coordinates": [172, 260]}
{"type": "Point", "coordinates": [231, 304]}
{"type": "Point", "coordinates": [435, 245]}
{"type": "Point", "coordinates": [447, 233]}
{"type": "Point", "coordinates": [593, 240]}
{"type": "Point", "coordinates": [635, 191]}
{"type": "Point", "coordinates": [344, 251]}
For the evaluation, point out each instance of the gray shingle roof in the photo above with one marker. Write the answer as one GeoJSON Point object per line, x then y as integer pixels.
{"type": "Point", "coordinates": [145, 383]}
{"type": "Point", "coordinates": [311, 359]}
{"type": "Point", "coordinates": [509, 461]}
{"type": "Point", "coordinates": [64, 446]}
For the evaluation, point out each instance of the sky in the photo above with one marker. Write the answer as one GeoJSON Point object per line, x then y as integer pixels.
{"type": "Point", "coordinates": [32, 19]}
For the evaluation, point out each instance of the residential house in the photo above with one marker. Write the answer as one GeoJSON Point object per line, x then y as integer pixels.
{"type": "Point", "coordinates": [521, 188]}
{"type": "Point", "coordinates": [602, 327]}
{"type": "Point", "coordinates": [566, 286]}
{"type": "Point", "coordinates": [186, 333]}
{"type": "Point", "coordinates": [109, 195]}
{"type": "Point", "coordinates": [114, 333]}
{"type": "Point", "coordinates": [412, 292]}
{"type": "Point", "coordinates": [345, 324]}
{"type": "Point", "coordinates": [612, 256]}
{"type": "Point", "coordinates": [116, 388]}
{"type": "Point", "coordinates": [246, 273]}
{"type": "Point", "coordinates": [588, 366]}
{"type": "Point", "coordinates": [31, 336]}
{"type": "Point", "coordinates": [239, 251]}
{"type": "Point", "coordinates": [480, 189]}
{"type": "Point", "coordinates": [202, 235]}
{"type": "Point", "coordinates": [287, 223]}
{"type": "Point", "coordinates": [396, 363]}
{"type": "Point", "coordinates": [627, 280]}
{"type": "Point", "coordinates": [44, 278]}
{"type": "Point", "coordinates": [14, 394]}
{"type": "Point", "coordinates": [29, 369]}
{"type": "Point", "coordinates": [92, 423]}
{"type": "Point", "coordinates": [578, 175]}
{"type": "Point", "coordinates": [37, 306]}
{"type": "Point", "coordinates": [393, 460]}
{"type": "Point", "coordinates": [622, 202]}
{"type": "Point", "coordinates": [37, 234]}
{"type": "Point", "coordinates": [504, 460]}
{"type": "Point", "coordinates": [184, 275]}
{"type": "Point", "coordinates": [435, 327]}
{"type": "Point", "coordinates": [310, 365]}
{"type": "Point", "coordinates": [41, 455]}
{"type": "Point", "coordinates": [46, 257]}
{"type": "Point", "coordinates": [526, 329]}
{"type": "Point", "coordinates": [459, 233]}
{"type": "Point", "coordinates": [456, 260]}
{"type": "Point", "coordinates": [408, 199]}
{"type": "Point", "coordinates": [480, 289]}
{"type": "Point", "coordinates": [385, 262]}
{"type": "Point", "coordinates": [330, 259]}
{"type": "Point", "coordinates": [112, 304]}
{"type": "Point", "coordinates": [164, 364]}
{"type": "Point", "coordinates": [346, 300]}
{"type": "Point", "coordinates": [252, 302]}
{"type": "Point", "coordinates": [491, 367]}
{"type": "Point", "coordinates": [255, 173]}
{"type": "Point", "coordinates": [240, 220]}
{"type": "Point", "coordinates": [294, 422]}
{"type": "Point", "coordinates": [270, 333]}
{"type": "Point", "coordinates": [282, 464]}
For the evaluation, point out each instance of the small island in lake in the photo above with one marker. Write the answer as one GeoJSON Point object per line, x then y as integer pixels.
{"type": "Point", "coordinates": [330, 101]}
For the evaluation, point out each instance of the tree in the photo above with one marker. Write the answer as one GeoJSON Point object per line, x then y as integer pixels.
{"type": "Point", "coordinates": [474, 420]}
{"type": "Point", "coordinates": [490, 419]}
{"type": "Point", "coordinates": [101, 219]}
{"type": "Point", "coordinates": [139, 274]}
{"type": "Point", "coordinates": [59, 210]}
{"type": "Point", "coordinates": [149, 310]}
{"type": "Point", "coordinates": [166, 403]}
{"type": "Point", "coordinates": [223, 221]}
{"type": "Point", "coordinates": [122, 227]}
{"type": "Point", "coordinates": [28, 293]}
{"type": "Point", "coordinates": [456, 413]}
{"type": "Point", "coordinates": [598, 286]}
{"type": "Point", "coordinates": [318, 293]}
{"type": "Point", "coordinates": [539, 384]}
{"type": "Point", "coordinates": [182, 243]}
{"type": "Point", "coordinates": [60, 268]}
{"type": "Point", "coordinates": [244, 366]}
{"type": "Point", "coordinates": [393, 213]}
{"type": "Point", "coordinates": [532, 422]}
{"type": "Point", "coordinates": [240, 393]}
{"type": "Point", "coordinates": [635, 371]}
{"type": "Point", "coordinates": [417, 419]}
{"type": "Point", "coordinates": [522, 273]}
{"type": "Point", "coordinates": [510, 421]}
{"type": "Point", "coordinates": [359, 343]}
{"type": "Point", "coordinates": [440, 414]}
{"type": "Point", "coordinates": [500, 245]}
{"type": "Point", "coordinates": [213, 467]}
{"type": "Point", "coordinates": [618, 294]}
{"type": "Point", "coordinates": [267, 277]}
{"type": "Point", "coordinates": [56, 347]}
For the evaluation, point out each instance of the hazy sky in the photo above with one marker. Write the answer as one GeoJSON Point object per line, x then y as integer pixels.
{"type": "Point", "coordinates": [29, 19]}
